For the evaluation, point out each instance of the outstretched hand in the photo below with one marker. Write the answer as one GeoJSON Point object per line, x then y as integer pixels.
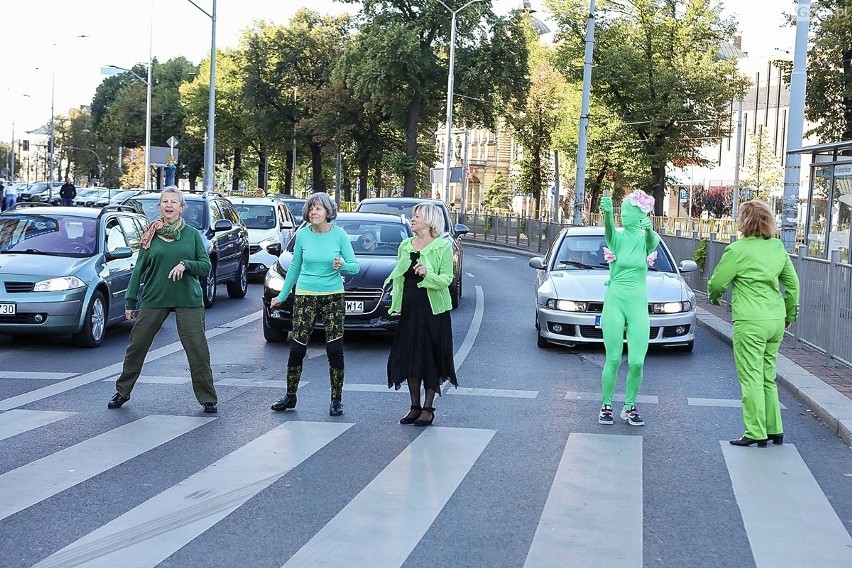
{"type": "Point", "coordinates": [645, 223]}
{"type": "Point", "coordinates": [606, 204]}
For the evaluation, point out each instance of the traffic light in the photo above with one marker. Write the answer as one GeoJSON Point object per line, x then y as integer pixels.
{"type": "Point", "coordinates": [25, 145]}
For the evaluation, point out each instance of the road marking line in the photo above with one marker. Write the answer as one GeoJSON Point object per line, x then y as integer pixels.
{"type": "Point", "coordinates": [377, 528]}
{"type": "Point", "coordinates": [787, 517]}
{"type": "Point", "coordinates": [151, 532]}
{"type": "Point", "coordinates": [35, 375]}
{"type": "Point", "coordinates": [506, 393]}
{"type": "Point", "coordinates": [43, 478]}
{"type": "Point", "coordinates": [722, 402]}
{"type": "Point", "coordinates": [16, 422]}
{"type": "Point", "coordinates": [590, 506]}
{"type": "Point", "coordinates": [472, 331]}
{"type": "Point", "coordinates": [596, 396]}
{"type": "Point", "coordinates": [370, 387]}
{"type": "Point", "coordinates": [115, 368]}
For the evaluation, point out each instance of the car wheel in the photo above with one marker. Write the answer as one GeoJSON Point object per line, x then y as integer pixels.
{"type": "Point", "coordinates": [94, 323]}
{"type": "Point", "coordinates": [454, 294]}
{"type": "Point", "coordinates": [686, 348]}
{"type": "Point", "coordinates": [270, 333]}
{"type": "Point", "coordinates": [539, 340]}
{"type": "Point", "coordinates": [239, 287]}
{"type": "Point", "coordinates": [208, 286]}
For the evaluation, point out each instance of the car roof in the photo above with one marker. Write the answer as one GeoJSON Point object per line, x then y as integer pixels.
{"type": "Point", "coordinates": [253, 200]}
{"type": "Point", "coordinates": [583, 231]}
{"type": "Point", "coordinates": [89, 212]}
{"type": "Point", "coordinates": [403, 200]}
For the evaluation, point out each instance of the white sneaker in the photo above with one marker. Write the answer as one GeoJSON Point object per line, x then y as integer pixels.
{"type": "Point", "coordinates": [632, 416]}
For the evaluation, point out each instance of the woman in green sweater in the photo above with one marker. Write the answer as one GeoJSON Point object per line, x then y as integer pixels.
{"type": "Point", "coordinates": [321, 253]}
{"type": "Point", "coordinates": [754, 266]}
{"type": "Point", "coordinates": [422, 351]}
{"type": "Point", "coordinates": [171, 260]}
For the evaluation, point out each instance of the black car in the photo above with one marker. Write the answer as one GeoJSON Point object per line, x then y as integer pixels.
{"type": "Point", "coordinates": [367, 298]}
{"type": "Point", "coordinates": [453, 233]}
{"type": "Point", "coordinates": [224, 234]}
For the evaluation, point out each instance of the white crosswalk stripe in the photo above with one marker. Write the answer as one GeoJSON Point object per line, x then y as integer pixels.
{"type": "Point", "coordinates": [14, 422]}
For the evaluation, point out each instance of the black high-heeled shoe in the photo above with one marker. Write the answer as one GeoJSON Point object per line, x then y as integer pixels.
{"type": "Point", "coordinates": [421, 422]}
{"type": "Point", "coordinates": [409, 418]}
{"type": "Point", "coordinates": [777, 439]}
{"type": "Point", "coordinates": [746, 441]}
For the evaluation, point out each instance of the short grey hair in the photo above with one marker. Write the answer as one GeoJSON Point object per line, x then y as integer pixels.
{"type": "Point", "coordinates": [432, 216]}
{"type": "Point", "coordinates": [176, 191]}
{"type": "Point", "coordinates": [323, 199]}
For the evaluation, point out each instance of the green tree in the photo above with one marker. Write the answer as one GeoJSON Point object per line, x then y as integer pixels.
{"type": "Point", "coordinates": [657, 68]}
{"type": "Point", "coordinates": [762, 171]}
{"type": "Point", "coordinates": [498, 198]}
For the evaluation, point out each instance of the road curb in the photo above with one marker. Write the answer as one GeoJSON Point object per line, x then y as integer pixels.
{"type": "Point", "coordinates": [831, 407]}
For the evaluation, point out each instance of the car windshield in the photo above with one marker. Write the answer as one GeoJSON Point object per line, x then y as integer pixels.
{"type": "Point", "coordinates": [49, 235]}
{"type": "Point", "coordinates": [193, 214]}
{"type": "Point", "coordinates": [404, 208]}
{"type": "Point", "coordinates": [256, 216]}
{"type": "Point", "coordinates": [373, 238]}
{"type": "Point", "coordinates": [586, 252]}
{"type": "Point", "coordinates": [295, 206]}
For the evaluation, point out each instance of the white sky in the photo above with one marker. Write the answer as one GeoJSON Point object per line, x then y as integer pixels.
{"type": "Point", "coordinates": [119, 32]}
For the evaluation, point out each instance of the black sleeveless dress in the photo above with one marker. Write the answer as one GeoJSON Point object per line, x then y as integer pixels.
{"type": "Point", "coordinates": [423, 345]}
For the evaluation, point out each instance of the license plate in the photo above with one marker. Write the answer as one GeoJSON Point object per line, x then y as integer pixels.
{"type": "Point", "coordinates": [354, 307]}
{"type": "Point", "coordinates": [597, 322]}
{"type": "Point", "coordinates": [7, 309]}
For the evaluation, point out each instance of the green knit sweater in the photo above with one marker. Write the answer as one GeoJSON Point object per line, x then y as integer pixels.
{"type": "Point", "coordinates": [154, 265]}
{"type": "Point", "coordinates": [437, 257]}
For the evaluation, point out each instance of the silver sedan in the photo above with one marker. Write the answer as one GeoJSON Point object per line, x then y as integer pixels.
{"type": "Point", "coordinates": [570, 289]}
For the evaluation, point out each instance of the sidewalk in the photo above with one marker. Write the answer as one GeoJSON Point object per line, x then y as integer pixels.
{"type": "Point", "coordinates": [803, 371]}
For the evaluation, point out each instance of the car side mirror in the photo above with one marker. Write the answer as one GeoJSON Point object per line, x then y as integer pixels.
{"type": "Point", "coordinates": [274, 249]}
{"type": "Point", "coordinates": [688, 266]}
{"type": "Point", "coordinates": [223, 225]}
{"type": "Point", "coordinates": [119, 252]}
{"type": "Point", "coordinates": [537, 262]}
{"type": "Point", "coordinates": [461, 229]}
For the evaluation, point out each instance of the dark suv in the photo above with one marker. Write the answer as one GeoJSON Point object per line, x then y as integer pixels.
{"type": "Point", "coordinates": [41, 192]}
{"type": "Point", "coordinates": [452, 233]}
{"type": "Point", "coordinates": [224, 234]}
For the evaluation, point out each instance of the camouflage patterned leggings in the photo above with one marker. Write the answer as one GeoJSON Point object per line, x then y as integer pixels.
{"type": "Point", "coordinates": [329, 309]}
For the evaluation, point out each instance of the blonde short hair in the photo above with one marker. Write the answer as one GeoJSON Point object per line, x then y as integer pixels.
{"type": "Point", "coordinates": [432, 216]}
{"type": "Point", "coordinates": [756, 219]}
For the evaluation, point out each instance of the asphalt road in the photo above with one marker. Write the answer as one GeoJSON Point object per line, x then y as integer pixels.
{"type": "Point", "coordinates": [515, 471]}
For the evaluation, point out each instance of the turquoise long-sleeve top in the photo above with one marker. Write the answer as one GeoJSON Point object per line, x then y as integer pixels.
{"type": "Point", "coordinates": [311, 271]}
{"type": "Point", "coordinates": [754, 267]}
{"type": "Point", "coordinates": [437, 257]}
{"type": "Point", "coordinates": [155, 263]}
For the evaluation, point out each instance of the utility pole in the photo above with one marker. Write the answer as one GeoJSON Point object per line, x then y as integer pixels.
{"type": "Point", "coordinates": [582, 139]}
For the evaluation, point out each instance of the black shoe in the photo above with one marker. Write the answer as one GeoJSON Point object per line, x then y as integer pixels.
{"type": "Point", "coordinates": [605, 416]}
{"type": "Point", "coordinates": [210, 408]}
{"type": "Point", "coordinates": [289, 401]}
{"type": "Point", "coordinates": [411, 417]}
{"type": "Point", "coordinates": [336, 408]}
{"type": "Point", "coordinates": [777, 439]}
{"type": "Point", "coordinates": [746, 441]}
{"type": "Point", "coordinates": [116, 401]}
{"type": "Point", "coordinates": [421, 422]}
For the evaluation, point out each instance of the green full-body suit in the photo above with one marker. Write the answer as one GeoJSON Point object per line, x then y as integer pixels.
{"type": "Point", "coordinates": [754, 267]}
{"type": "Point", "coordinates": [626, 300]}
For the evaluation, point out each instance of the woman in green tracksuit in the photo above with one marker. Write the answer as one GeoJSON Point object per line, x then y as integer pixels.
{"type": "Point", "coordinates": [754, 266]}
{"type": "Point", "coordinates": [631, 250]}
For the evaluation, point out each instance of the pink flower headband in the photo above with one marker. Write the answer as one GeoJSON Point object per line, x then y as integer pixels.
{"type": "Point", "coordinates": [641, 200]}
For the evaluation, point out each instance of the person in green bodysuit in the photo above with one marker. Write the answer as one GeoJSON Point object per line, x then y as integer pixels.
{"type": "Point", "coordinates": [754, 266]}
{"type": "Point", "coordinates": [631, 251]}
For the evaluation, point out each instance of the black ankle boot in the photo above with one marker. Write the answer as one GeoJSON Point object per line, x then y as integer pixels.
{"type": "Point", "coordinates": [286, 403]}
{"type": "Point", "coordinates": [777, 439]}
{"type": "Point", "coordinates": [746, 441]}
{"type": "Point", "coordinates": [336, 408]}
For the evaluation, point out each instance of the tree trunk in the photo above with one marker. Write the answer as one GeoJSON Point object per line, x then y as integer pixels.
{"type": "Point", "coordinates": [238, 160]}
{"type": "Point", "coordinates": [658, 173]}
{"type": "Point", "coordinates": [363, 173]}
{"type": "Point", "coordinates": [316, 167]}
{"type": "Point", "coordinates": [410, 180]}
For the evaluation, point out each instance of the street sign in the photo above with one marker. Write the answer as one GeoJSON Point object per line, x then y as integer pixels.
{"type": "Point", "coordinates": [172, 141]}
{"type": "Point", "coordinates": [436, 175]}
{"type": "Point", "coordinates": [745, 193]}
{"type": "Point", "coordinates": [683, 195]}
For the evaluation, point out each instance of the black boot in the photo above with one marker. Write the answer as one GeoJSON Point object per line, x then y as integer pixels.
{"type": "Point", "coordinates": [286, 403]}
{"type": "Point", "coordinates": [336, 408]}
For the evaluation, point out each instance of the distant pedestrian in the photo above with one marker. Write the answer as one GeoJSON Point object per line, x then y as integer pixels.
{"type": "Point", "coordinates": [11, 195]}
{"type": "Point", "coordinates": [2, 197]}
{"type": "Point", "coordinates": [754, 266]}
{"type": "Point", "coordinates": [422, 352]}
{"type": "Point", "coordinates": [67, 193]}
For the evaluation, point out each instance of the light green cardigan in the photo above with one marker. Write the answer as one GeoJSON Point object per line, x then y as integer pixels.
{"type": "Point", "coordinates": [437, 257]}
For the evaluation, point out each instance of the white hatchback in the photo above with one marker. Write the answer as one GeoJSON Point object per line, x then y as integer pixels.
{"type": "Point", "coordinates": [270, 227]}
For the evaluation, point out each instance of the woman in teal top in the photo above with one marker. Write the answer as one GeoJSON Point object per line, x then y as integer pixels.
{"type": "Point", "coordinates": [322, 252]}
{"type": "Point", "coordinates": [754, 266]}
{"type": "Point", "coordinates": [422, 351]}
{"type": "Point", "coordinates": [171, 261]}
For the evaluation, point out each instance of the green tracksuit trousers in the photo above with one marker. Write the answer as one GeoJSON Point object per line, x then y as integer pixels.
{"type": "Point", "coordinates": [756, 344]}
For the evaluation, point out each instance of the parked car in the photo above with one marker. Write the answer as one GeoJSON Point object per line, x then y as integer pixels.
{"type": "Point", "coordinates": [65, 270]}
{"type": "Point", "coordinates": [41, 191]}
{"type": "Point", "coordinates": [294, 204]}
{"type": "Point", "coordinates": [116, 197]}
{"type": "Point", "coordinates": [571, 284]}
{"type": "Point", "coordinates": [83, 194]}
{"type": "Point", "coordinates": [225, 237]}
{"type": "Point", "coordinates": [367, 299]}
{"type": "Point", "coordinates": [452, 233]}
{"type": "Point", "coordinates": [270, 227]}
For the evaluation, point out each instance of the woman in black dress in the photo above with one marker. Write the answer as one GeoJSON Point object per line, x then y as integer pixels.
{"type": "Point", "coordinates": [422, 351]}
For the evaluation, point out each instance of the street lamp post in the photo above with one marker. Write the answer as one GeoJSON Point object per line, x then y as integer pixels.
{"type": "Point", "coordinates": [450, 80]}
{"type": "Point", "coordinates": [210, 145]}
{"type": "Point", "coordinates": [147, 84]}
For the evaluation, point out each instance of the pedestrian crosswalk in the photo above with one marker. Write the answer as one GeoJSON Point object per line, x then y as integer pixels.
{"type": "Point", "coordinates": [596, 494]}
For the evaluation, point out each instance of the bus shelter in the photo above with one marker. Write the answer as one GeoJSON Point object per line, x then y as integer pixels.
{"type": "Point", "coordinates": [828, 209]}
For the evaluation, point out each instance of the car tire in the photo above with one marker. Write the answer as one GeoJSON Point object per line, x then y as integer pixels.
{"type": "Point", "coordinates": [94, 323]}
{"type": "Point", "coordinates": [208, 286]}
{"type": "Point", "coordinates": [539, 340]}
{"type": "Point", "coordinates": [239, 286]}
{"type": "Point", "coordinates": [454, 294]}
{"type": "Point", "coordinates": [270, 333]}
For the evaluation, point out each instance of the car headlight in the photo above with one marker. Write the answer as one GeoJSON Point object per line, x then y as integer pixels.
{"type": "Point", "coordinates": [266, 243]}
{"type": "Point", "coordinates": [671, 307]}
{"type": "Point", "coordinates": [566, 305]}
{"type": "Point", "coordinates": [59, 284]}
{"type": "Point", "coordinates": [274, 280]}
